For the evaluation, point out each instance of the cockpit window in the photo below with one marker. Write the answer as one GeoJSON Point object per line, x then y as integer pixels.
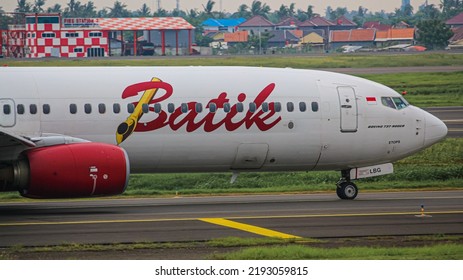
{"type": "Point", "coordinates": [400, 102]}
{"type": "Point", "coordinates": [394, 102]}
{"type": "Point", "coordinates": [387, 101]}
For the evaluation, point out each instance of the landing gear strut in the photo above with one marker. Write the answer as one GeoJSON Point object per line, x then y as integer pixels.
{"type": "Point", "coordinates": [346, 189]}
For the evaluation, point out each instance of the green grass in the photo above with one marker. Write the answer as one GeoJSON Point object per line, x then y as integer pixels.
{"type": "Point", "coordinates": [425, 89]}
{"type": "Point", "coordinates": [299, 252]}
{"type": "Point", "coordinates": [302, 62]}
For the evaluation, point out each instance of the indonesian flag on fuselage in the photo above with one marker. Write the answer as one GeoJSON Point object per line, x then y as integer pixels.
{"type": "Point", "coordinates": [371, 100]}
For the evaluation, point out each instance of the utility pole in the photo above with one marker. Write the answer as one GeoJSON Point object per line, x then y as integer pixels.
{"type": "Point", "coordinates": [159, 5]}
{"type": "Point", "coordinates": [178, 5]}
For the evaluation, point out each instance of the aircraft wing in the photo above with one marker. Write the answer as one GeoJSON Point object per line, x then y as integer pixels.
{"type": "Point", "coordinates": [8, 139]}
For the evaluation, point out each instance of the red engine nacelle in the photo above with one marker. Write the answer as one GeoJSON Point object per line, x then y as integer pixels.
{"type": "Point", "coordinates": [74, 170]}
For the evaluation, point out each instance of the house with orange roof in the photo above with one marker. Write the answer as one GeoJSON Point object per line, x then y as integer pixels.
{"type": "Point", "coordinates": [394, 36]}
{"type": "Point", "coordinates": [354, 37]}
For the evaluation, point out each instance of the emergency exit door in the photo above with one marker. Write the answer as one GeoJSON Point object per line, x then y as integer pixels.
{"type": "Point", "coordinates": [7, 113]}
{"type": "Point", "coordinates": [348, 108]}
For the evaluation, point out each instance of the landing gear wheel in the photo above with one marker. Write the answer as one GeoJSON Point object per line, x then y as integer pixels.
{"type": "Point", "coordinates": [347, 190]}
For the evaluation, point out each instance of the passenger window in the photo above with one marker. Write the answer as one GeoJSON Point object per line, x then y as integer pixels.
{"type": "Point", "coordinates": [116, 108]}
{"type": "Point", "coordinates": [277, 106]}
{"type": "Point", "coordinates": [212, 107]}
{"type": "Point", "coordinates": [239, 107]}
{"type": "Point", "coordinates": [252, 107]}
{"type": "Point", "coordinates": [101, 108]}
{"type": "Point", "coordinates": [88, 108]}
{"type": "Point", "coordinates": [226, 107]}
{"type": "Point", "coordinates": [387, 101]}
{"type": "Point", "coordinates": [130, 108]}
{"type": "Point", "coordinates": [290, 106]}
{"type": "Point", "coordinates": [184, 108]}
{"type": "Point", "coordinates": [171, 107]}
{"type": "Point", "coordinates": [73, 108]}
{"type": "Point", "coordinates": [198, 107]}
{"type": "Point", "coordinates": [157, 108]}
{"type": "Point", "coordinates": [21, 109]}
{"type": "Point", "coordinates": [400, 103]}
{"type": "Point", "coordinates": [314, 106]}
{"type": "Point", "coordinates": [33, 109]}
{"type": "Point", "coordinates": [265, 107]}
{"type": "Point", "coordinates": [6, 109]}
{"type": "Point", "coordinates": [46, 109]}
{"type": "Point", "coordinates": [302, 106]}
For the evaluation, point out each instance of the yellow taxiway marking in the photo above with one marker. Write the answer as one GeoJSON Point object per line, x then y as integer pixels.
{"type": "Point", "coordinates": [248, 228]}
{"type": "Point", "coordinates": [228, 218]}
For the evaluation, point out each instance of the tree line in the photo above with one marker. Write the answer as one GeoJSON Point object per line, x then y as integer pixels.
{"type": "Point", "coordinates": [426, 17]}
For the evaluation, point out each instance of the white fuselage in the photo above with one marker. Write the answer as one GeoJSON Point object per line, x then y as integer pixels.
{"type": "Point", "coordinates": [345, 124]}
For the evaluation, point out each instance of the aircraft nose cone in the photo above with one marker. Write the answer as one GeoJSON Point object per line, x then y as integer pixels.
{"type": "Point", "coordinates": [435, 130]}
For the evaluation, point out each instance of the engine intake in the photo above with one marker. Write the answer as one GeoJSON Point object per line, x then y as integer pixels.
{"type": "Point", "coordinates": [74, 170]}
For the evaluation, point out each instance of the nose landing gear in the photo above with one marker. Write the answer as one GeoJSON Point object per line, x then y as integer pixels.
{"type": "Point", "coordinates": [346, 189]}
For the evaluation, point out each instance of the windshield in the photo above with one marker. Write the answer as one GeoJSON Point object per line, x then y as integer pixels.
{"type": "Point", "coordinates": [397, 103]}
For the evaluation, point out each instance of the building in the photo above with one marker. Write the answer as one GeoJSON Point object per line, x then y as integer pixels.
{"type": "Point", "coordinates": [50, 35]}
{"type": "Point", "coordinates": [223, 25]}
{"type": "Point", "coordinates": [456, 21]}
{"type": "Point", "coordinates": [256, 25]}
{"type": "Point", "coordinates": [282, 38]}
{"type": "Point", "coordinates": [354, 37]}
{"type": "Point", "coordinates": [395, 36]}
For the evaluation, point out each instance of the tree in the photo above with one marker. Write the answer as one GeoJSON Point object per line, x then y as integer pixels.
{"type": "Point", "coordinates": [209, 7]}
{"type": "Point", "coordinates": [433, 34]}
{"type": "Point", "coordinates": [259, 9]}
{"type": "Point", "coordinates": [243, 12]}
{"type": "Point", "coordinates": [118, 10]}
{"type": "Point", "coordinates": [55, 9]}
{"type": "Point", "coordinates": [73, 9]}
{"type": "Point", "coordinates": [89, 10]}
{"type": "Point", "coordinates": [144, 11]}
{"type": "Point", "coordinates": [38, 6]}
{"type": "Point", "coordinates": [23, 7]}
{"type": "Point", "coordinates": [451, 8]}
{"type": "Point", "coordinates": [4, 20]}
{"type": "Point", "coordinates": [359, 18]}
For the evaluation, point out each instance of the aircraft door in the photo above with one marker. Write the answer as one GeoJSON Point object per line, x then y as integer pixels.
{"type": "Point", "coordinates": [348, 107]}
{"type": "Point", "coordinates": [250, 156]}
{"type": "Point", "coordinates": [7, 113]}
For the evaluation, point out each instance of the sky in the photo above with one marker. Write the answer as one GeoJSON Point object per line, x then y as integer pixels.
{"type": "Point", "coordinates": [232, 5]}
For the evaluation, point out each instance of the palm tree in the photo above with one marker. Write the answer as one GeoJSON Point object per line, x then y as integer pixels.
{"type": "Point", "coordinates": [55, 9]}
{"type": "Point", "coordinates": [73, 9]}
{"type": "Point", "coordinates": [243, 12]}
{"type": "Point", "coordinates": [259, 9]}
{"type": "Point", "coordinates": [209, 7]}
{"type": "Point", "coordinates": [144, 11]}
{"type": "Point", "coordinates": [23, 7]}
{"type": "Point", "coordinates": [38, 4]}
{"type": "Point", "coordinates": [89, 10]}
{"type": "Point", "coordinates": [119, 10]}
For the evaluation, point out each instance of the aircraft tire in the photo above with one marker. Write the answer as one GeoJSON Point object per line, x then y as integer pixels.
{"type": "Point", "coordinates": [347, 191]}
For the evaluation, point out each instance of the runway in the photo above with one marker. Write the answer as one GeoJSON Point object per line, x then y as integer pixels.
{"type": "Point", "coordinates": [204, 218]}
{"type": "Point", "coordinates": [452, 117]}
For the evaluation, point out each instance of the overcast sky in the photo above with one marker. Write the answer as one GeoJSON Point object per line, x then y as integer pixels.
{"type": "Point", "coordinates": [232, 5]}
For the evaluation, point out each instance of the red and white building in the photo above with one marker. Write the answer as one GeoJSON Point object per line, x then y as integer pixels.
{"type": "Point", "coordinates": [50, 35]}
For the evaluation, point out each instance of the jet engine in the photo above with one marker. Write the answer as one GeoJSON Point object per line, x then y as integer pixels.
{"type": "Point", "coordinates": [68, 171]}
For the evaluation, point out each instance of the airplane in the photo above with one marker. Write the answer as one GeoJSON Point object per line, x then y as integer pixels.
{"type": "Point", "coordinates": [69, 132]}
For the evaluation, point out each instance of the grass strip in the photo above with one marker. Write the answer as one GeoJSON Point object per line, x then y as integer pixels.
{"type": "Point", "coordinates": [296, 61]}
{"type": "Point", "coordinates": [300, 252]}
